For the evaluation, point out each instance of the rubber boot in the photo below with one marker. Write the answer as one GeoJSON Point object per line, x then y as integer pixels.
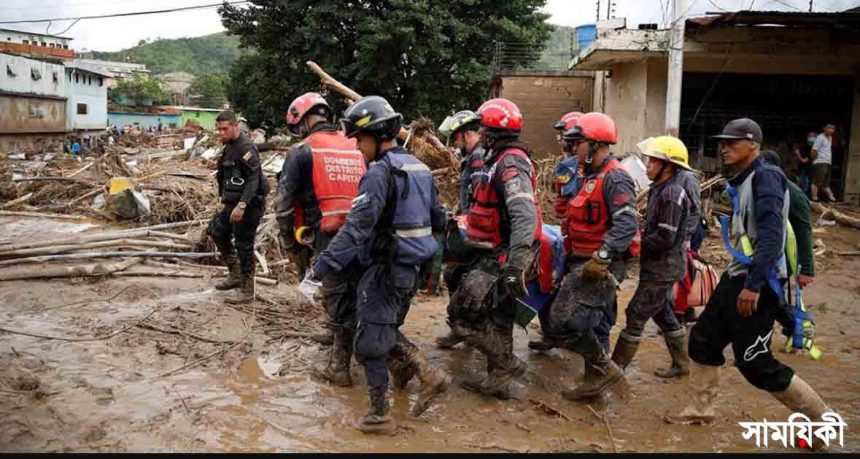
{"type": "Point", "coordinates": [543, 344]}
{"type": "Point", "coordinates": [676, 342]}
{"type": "Point", "coordinates": [434, 381]}
{"type": "Point", "coordinates": [700, 410]}
{"type": "Point", "coordinates": [245, 294]}
{"type": "Point", "coordinates": [378, 420]}
{"type": "Point", "coordinates": [625, 349]}
{"type": "Point", "coordinates": [498, 381]}
{"type": "Point", "coordinates": [799, 397]}
{"type": "Point", "coordinates": [605, 373]}
{"type": "Point", "coordinates": [448, 341]}
{"type": "Point", "coordinates": [402, 371]}
{"type": "Point", "coordinates": [336, 371]}
{"type": "Point", "coordinates": [234, 275]}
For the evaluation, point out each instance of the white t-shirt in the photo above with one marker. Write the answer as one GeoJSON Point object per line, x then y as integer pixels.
{"type": "Point", "coordinates": [822, 146]}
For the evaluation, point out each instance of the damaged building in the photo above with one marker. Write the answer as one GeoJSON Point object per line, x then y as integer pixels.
{"type": "Point", "coordinates": [791, 72]}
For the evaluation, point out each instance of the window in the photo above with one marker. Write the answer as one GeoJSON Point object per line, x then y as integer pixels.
{"type": "Point", "coordinates": [36, 111]}
{"type": "Point", "coordinates": [56, 78]}
{"type": "Point", "coordinates": [82, 109]}
{"type": "Point", "coordinates": [89, 80]}
{"type": "Point", "coordinates": [52, 45]}
{"type": "Point", "coordinates": [197, 114]}
{"type": "Point", "coordinates": [77, 78]}
{"type": "Point", "coordinates": [10, 72]}
{"type": "Point", "coordinates": [44, 44]}
{"type": "Point", "coordinates": [65, 46]}
{"type": "Point", "coordinates": [101, 81]}
{"type": "Point", "coordinates": [35, 74]}
{"type": "Point", "coordinates": [26, 42]}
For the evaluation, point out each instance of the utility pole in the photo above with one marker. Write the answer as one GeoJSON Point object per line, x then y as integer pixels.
{"type": "Point", "coordinates": [597, 13]}
{"type": "Point", "coordinates": [676, 67]}
{"type": "Point", "coordinates": [810, 6]}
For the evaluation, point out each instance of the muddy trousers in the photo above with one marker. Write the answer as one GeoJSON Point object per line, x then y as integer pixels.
{"type": "Point", "coordinates": [493, 336]}
{"type": "Point", "coordinates": [384, 293]}
{"type": "Point", "coordinates": [222, 232]}
{"type": "Point", "coordinates": [750, 337]}
{"type": "Point", "coordinates": [339, 296]}
{"type": "Point", "coordinates": [652, 300]}
{"type": "Point", "coordinates": [601, 331]}
{"type": "Point", "coordinates": [581, 310]}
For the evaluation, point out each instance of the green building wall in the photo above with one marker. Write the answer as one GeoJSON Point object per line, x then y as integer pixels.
{"type": "Point", "coordinates": [205, 118]}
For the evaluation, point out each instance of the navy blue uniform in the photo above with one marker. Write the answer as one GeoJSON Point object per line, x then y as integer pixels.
{"type": "Point", "coordinates": [388, 234]}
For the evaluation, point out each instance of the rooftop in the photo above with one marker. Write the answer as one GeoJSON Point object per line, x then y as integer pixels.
{"type": "Point", "coordinates": [35, 33]}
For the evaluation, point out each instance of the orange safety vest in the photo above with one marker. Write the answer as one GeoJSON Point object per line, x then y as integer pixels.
{"type": "Point", "coordinates": [587, 218]}
{"type": "Point", "coordinates": [484, 221]}
{"type": "Point", "coordinates": [337, 168]}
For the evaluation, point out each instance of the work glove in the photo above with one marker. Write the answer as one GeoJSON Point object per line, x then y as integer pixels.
{"type": "Point", "coordinates": [514, 272]}
{"type": "Point", "coordinates": [595, 269]}
{"type": "Point", "coordinates": [310, 285]}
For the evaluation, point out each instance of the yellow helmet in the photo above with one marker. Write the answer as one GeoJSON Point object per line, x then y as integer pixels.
{"type": "Point", "coordinates": [668, 148]}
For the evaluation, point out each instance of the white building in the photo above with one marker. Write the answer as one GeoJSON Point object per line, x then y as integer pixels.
{"type": "Point", "coordinates": [35, 44]}
{"type": "Point", "coordinates": [32, 102]}
{"type": "Point", "coordinates": [86, 93]}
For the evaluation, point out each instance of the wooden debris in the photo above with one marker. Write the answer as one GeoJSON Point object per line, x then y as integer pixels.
{"type": "Point", "coordinates": [546, 408]}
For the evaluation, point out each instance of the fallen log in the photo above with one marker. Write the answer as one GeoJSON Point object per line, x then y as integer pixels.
{"type": "Point", "coordinates": [95, 245]}
{"type": "Point", "coordinates": [9, 213]}
{"type": "Point", "coordinates": [84, 196]}
{"type": "Point", "coordinates": [93, 270]}
{"type": "Point", "coordinates": [128, 233]}
{"type": "Point", "coordinates": [86, 255]}
{"type": "Point", "coordinates": [81, 169]}
{"type": "Point", "coordinates": [16, 201]}
{"type": "Point", "coordinates": [838, 216]}
{"type": "Point", "coordinates": [54, 179]}
{"type": "Point", "coordinates": [185, 274]}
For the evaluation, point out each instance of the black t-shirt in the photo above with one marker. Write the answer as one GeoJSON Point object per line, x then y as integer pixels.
{"type": "Point", "coordinates": [806, 153]}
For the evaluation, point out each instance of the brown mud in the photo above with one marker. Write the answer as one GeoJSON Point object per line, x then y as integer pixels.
{"type": "Point", "coordinates": [254, 391]}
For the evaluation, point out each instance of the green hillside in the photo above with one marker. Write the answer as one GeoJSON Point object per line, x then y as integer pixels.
{"type": "Point", "coordinates": [210, 54]}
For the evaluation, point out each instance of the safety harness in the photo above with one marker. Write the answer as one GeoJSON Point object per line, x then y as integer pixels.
{"type": "Point", "coordinates": [802, 318]}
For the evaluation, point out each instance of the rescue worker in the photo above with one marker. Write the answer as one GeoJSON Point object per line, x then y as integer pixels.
{"type": "Point", "coordinates": [566, 182]}
{"type": "Point", "coordinates": [601, 234]}
{"type": "Point", "coordinates": [748, 298]}
{"type": "Point", "coordinates": [662, 258]}
{"type": "Point", "coordinates": [504, 226]}
{"type": "Point", "coordinates": [242, 188]}
{"type": "Point", "coordinates": [387, 236]}
{"type": "Point", "coordinates": [462, 130]}
{"type": "Point", "coordinates": [315, 191]}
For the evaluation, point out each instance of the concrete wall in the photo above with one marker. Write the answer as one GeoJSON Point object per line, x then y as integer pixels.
{"type": "Point", "coordinates": [143, 120]}
{"type": "Point", "coordinates": [88, 89]}
{"type": "Point", "coordinates": [542, 99]}
{"type": "Point", "coordinates": [31, 76]}
{"type": "Point", "coordinates": [852, 176]}
{"type": "Point", "coordinates": [20, 115]}
{"type": "Point", "coordinates": [42, 142]}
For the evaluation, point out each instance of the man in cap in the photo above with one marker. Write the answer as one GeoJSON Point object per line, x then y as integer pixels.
{"type": "Point", "coordinates": [749, 296]}
{"type": "Point", "coordinates": [662, 258]}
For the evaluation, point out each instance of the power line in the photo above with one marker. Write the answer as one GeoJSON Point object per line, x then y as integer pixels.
{"type": "Point", "coordinates": [787, 5]}
{"type": "Point", "coordinates": [712, 2]}
{"type": "Point", "coordinates": [116, 15]}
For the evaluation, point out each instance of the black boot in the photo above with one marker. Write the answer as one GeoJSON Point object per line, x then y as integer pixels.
{"type": "Point", "coordinates": [676, 342]}
{"type": "Point", "coordinates": [625, 349]}
{"type": "Point", "coordinates": [234, 275]}
{"type": "Point", "coordinates": [378, 420]}
{"type": "Point", "coordinates": [336, 371]}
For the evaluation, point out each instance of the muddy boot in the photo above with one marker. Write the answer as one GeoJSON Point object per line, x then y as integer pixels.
{"type": "Point", "coordinates": [605, 373]}
{"type": "Point", "coordinates": [378, 420]}
{"type": "Point", "coordinates": [800, 398]}
{"type": "Point", "coordinates": [245, 294]}
{"type": "Point", "coordinates": [336, 371]}
{"type": "Point", "coordinates": [498, 382]}
{"type": "Point", "coordinates": [625, 349]}
{"type": "Point", "coordinates": [234, 276]}
{"type": "Point", "coordinates": [448, 341]}
{"type": "Point", "coordinates": [434, 381]}
{"type": "Point", "coordinates": [402, 371]}
{"type": "Point", "coordinates": [676, 342]}
{"type": "Point", "coordinates": [706, 380]}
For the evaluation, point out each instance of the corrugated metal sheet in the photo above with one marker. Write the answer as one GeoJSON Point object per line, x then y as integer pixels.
{"type": "Point", "coordinates": [847, 19]}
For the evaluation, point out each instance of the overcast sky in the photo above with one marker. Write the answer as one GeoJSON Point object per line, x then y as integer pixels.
{"type": "Point", "coordinates": [113, 34]}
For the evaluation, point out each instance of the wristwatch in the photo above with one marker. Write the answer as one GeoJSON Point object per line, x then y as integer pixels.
{"type": "Point", "coordinates": [603, 254]}
{"type": "Point", "coordinates": [242, 205]}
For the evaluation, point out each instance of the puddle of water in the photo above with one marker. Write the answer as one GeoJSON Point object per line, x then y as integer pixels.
{"type": "Point", "coordinates": [24, 229]}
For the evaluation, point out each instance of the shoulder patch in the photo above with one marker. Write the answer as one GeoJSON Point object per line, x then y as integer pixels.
{"type": "Point", "coordinates": [247, 156]}
{"type": "Point", "coordinates": [510, 173]}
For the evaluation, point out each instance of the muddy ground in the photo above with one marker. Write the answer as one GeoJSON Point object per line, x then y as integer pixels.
{"type": "Point", "coordinates": [128, 391]}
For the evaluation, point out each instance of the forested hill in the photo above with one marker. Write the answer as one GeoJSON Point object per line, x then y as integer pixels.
{"type": "Point", "coordinates": [210, 54]}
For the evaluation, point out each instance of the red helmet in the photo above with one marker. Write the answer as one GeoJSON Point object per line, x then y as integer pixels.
{"type": "Point", "coordinates": [595, 127]}
{"type": "Point", "coordinates": [567, 121]}
{"type": "Point", "coordinates": [304, 104]}
{"type": "Point", "coordinates": [501, 114]}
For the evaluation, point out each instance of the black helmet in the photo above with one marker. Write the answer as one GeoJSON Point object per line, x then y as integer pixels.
{"type": "Point", "coordinates": [374, 115]}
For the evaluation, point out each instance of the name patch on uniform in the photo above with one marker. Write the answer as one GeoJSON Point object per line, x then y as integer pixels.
{"type": "Point", "coordinates": [247, 156]}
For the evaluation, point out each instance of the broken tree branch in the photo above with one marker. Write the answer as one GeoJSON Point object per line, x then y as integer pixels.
{"type": "Point", "coordinates": [93, 245]}
{"type": "Point", "coordinates": [606, 424]}
{"type": "Point", "coordinates": [86, 255]}
{"type": "Point", "coordinates": [9, 213]}
{"type": "Point", "coordinates": [17, 201]}
{"type": "Point", "coordinates": [202, 359]}
{"type": "Point", "coordinates": [79, 340]}
{"type": "Point", "coordinates": [840, 217]}
{"type": "Point", "coordinates": [93, 270]}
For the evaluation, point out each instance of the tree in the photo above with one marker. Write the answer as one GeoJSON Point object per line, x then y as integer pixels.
{"type": "Point", "coordinates": [209, 90]}
{"type": "Point", "coordinates": [427, 57]}
{"type": "Point", "coordinates": [140, 90]}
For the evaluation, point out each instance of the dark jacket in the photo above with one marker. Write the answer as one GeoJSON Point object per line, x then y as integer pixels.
{"type": "Point", "coordinates": [513, 183]}
{"type": "Point", "coordinates": [663, 257]}
{"type": "Point", "coordinates": [240, 160]}
{"type": "Point", "coordinates": [800, 217]}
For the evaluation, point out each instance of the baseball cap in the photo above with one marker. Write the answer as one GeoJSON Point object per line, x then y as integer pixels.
{"type": "Point", "coordinates": [741, 129]}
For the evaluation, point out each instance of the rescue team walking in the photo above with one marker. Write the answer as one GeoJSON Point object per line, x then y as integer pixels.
{"type": "Point", "coordinates": [361, 217]}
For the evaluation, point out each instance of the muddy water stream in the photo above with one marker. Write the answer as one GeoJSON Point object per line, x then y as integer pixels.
{"type": "Point", "coordinates": [108, 395]}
